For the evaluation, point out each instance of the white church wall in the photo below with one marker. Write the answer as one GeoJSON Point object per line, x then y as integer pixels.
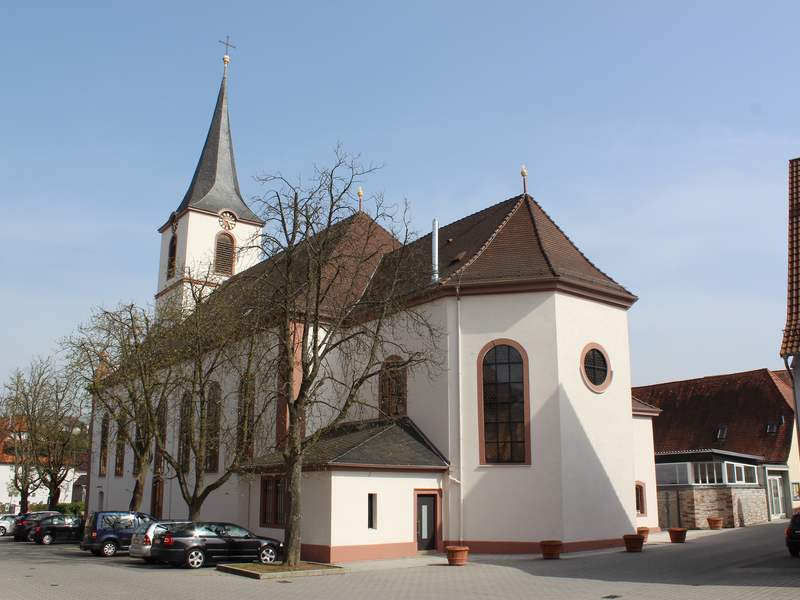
{"type": "Point", "coordinates": [395, 508]}
{"type": "Point", "coordinates": [512, 503]}
{"type": "Point", "coordinates": [644, 468]}
{"type": "Point", "coordinates": [596, 432]}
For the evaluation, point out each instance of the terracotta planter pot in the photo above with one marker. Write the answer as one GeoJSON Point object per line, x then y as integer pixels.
{"type": "Point", "coordinates": [677, 535]}
{"type": "Point", "coordinates": [643, 531]}
{"type": "Point", "coordinates": [551, 549]}
{"type": "Point", "coordinates": [714, 522]}
{"type": "Point", "coordinates": [633, 542]}
{"type": "Point", "coordinates": [457, 555]}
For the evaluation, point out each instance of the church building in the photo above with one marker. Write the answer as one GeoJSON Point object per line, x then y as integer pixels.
{"type": "Point", "coordinates": [530, 432]}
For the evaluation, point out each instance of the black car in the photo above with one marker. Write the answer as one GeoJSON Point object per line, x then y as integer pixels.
{"type": "Point", "coordinates": [106, 532]}
{"type": "Point", "coordinates": [58, 528]}
{"type": "Point", "coordinates": [793, 535]}
{"type": "Point", "coordinates": [196, 543]}
{"type": "Point", "coordinates": [23, 526]}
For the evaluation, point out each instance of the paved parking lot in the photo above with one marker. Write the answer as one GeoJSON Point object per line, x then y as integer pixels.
{"type": "Point", "coordinates": [749, 563]}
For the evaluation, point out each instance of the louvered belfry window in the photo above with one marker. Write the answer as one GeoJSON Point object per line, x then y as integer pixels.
{"type": "Point", "coordinates": [223, 256]}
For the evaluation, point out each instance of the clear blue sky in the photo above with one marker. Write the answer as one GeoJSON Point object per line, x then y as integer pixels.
{"type": "Point", "coordinates": [655, 134]}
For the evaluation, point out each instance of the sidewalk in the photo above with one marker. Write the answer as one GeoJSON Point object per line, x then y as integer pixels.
{"type": "Point", "coordinates": [654, 540]}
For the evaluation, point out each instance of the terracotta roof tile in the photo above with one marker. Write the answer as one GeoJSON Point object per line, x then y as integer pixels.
{"type": "Point", "coordinates": [693, 411]}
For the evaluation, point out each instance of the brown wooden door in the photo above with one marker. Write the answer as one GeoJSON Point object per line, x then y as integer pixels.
{"type": "Point", "coordinates": [157, 498]}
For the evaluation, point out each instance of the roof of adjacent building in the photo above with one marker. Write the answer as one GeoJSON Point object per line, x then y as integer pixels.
{"type": "Point", "coordinates": [512, 243]}
{"type": "Point", "coordinates": [391, 443]}
{"type": "Point", "coordinates": [215, 186]}
{"type": "Point", "coordinates": [791, 335]}
{"type": "Point", "coordinates": [694, 410]}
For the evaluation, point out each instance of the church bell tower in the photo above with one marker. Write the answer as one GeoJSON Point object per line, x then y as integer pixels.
{"type": "Point", "coordinates": [213, 234]}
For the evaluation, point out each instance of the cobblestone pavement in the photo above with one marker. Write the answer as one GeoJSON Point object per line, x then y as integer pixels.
{"type": "Point", "coordinates": [749, 563]}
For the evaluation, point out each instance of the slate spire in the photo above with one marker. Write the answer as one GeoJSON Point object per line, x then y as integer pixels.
{"type": "Point", "coordinates": [215, 185]}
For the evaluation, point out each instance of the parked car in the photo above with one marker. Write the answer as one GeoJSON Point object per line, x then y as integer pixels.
{"type": "Point", "coordinates": [23, 526]}
{"type": "Point", "coordinates": [58, 528]}
{"type": "Point", "coordinates": [196, 543]}
{"type": "Point", "coordinates": [6, 524]}
{"type": "Point", "coordinates": [793, 535]}
{"type": "Point", "coordinates": [143, 535]}
{"type": "Point", "coordinates": [108, 532]}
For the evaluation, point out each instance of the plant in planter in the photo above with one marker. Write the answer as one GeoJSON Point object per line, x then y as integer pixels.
{"type": "Point", "coordinates": [457, 555]}
{"type": "Point", "coordinates": [677, 535]}
{"type": "Point", "coordinates": [644, 531]}
{"type": "Point", "coordinates": [633, 542]}
{"type": "Point", "coordinates": [551, 549]}
{"type": "Point", "coordinates": [714, 522]}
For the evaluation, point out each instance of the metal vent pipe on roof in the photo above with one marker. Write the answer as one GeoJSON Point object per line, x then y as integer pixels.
{"type": "Point", "coordinates": [435, 251]}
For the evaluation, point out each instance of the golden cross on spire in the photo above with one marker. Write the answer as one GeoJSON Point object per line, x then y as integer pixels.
{"type": "Point", "coordinates": [226, 59]}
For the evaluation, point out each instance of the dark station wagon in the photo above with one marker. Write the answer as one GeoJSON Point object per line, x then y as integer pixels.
{"type": "Point", "coordinates": [108, 532]}
{"type": "Point", "coordinates": [194, 544]}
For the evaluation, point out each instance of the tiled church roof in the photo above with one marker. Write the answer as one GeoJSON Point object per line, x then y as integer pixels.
{"type": "Point", "coordinates": [745, 403]}
{"type": "Point", "coordinates": [215, 185]}
{"type": "Point", "coordinates": [392, 443]}
{"type": "Point", "coordinates": [512, 242]}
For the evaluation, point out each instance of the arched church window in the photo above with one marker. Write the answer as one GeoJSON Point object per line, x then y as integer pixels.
{"type": "Point", "coordinates": [503, 403]}
{"type": "Point", "coordinates": [223, 255]}
{"type": "Point", "coordinates": [212, 425]}
{"type": "Point", "coordinates": [392, 392]}
{"type": "Point", "coordinates": [247, 414]}
{"type": "Point", "coordinates": [173, 251]}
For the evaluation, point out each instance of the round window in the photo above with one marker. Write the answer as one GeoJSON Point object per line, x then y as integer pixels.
{"type": "Point", "coordinates": [595, 368]}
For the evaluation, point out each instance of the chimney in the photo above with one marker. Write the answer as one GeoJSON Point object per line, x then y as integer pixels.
{"type": "Point", "coordinates": [435, 251]}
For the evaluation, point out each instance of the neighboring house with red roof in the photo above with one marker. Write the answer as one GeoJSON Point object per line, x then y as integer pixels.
{"type": "Point", "coordinates": [529, 433]}
{"type": "Point", "coordinates": [725, 447]}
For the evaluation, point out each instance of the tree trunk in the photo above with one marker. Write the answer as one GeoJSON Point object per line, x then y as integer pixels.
{"type": "Point", "coordinates": [55, 496]}
{"type": "Point", "coordinates": [194, 510]}
{"type": "Point", "coordinates": [23, 501]}
{"type": "Point", "coordinates": [138, 491]}
{"type": "Point", "coordinates": [294, 471]}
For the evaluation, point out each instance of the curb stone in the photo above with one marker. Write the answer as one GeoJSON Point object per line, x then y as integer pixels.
{"type": "Point", "coordinates": [281, 574]}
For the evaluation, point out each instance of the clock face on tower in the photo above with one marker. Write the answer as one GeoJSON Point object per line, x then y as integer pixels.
{"type": "Point", "coordinates": [227, 220]}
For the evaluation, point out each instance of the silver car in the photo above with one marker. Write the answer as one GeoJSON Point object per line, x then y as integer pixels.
{"type": "Point", "coordinates": [6, 524]}
{"type": "Point", "coordinates": [143, 539]}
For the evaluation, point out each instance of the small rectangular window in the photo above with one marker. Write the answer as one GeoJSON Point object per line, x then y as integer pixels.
{"type": "Point", "coordinates": [722, 432]}
{"type": "Point", "coordinates": [750, 475]}
{"type": "Point", "coordinates": [772, 428]}
{"type": "Point", "coordinates": [372, 511]}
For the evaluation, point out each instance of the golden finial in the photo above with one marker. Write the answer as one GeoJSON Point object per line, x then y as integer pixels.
{"type": "Point", "coordinates": [360, 196]}
{"type": "Point", "coordinates": [524, 174]}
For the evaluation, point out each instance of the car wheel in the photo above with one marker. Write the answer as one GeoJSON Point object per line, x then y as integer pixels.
{"type": "Point", "coordinates": [47, 539]}
{"type": "Point", "coordinates": [109, 548]}
{"type": "Point", "coordinates": [195, 558]}
{"type": "Point", "coordinates": [29, 537]}
{"type": "Point", "coordinates": [267, 555]}
{"type": "Point", "coordinates": [2, 530]}
{"type": "Point", "coordinates": [794, 551]}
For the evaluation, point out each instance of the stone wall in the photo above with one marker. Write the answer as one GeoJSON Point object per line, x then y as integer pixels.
{"type": "Point", "coordinates": [690, 507]}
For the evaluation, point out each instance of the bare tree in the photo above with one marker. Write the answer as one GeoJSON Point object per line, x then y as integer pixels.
{"type": "Point", "coordinates": [49, 405]}
{"type": "Point", "coordinates": [335, 286]}
{"type": "Point", "coordinates": [164, 378]}
{"type": "Point", "coordinates": [24, 479]}
{"type": "Point", "coordinates": [120, 357]}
